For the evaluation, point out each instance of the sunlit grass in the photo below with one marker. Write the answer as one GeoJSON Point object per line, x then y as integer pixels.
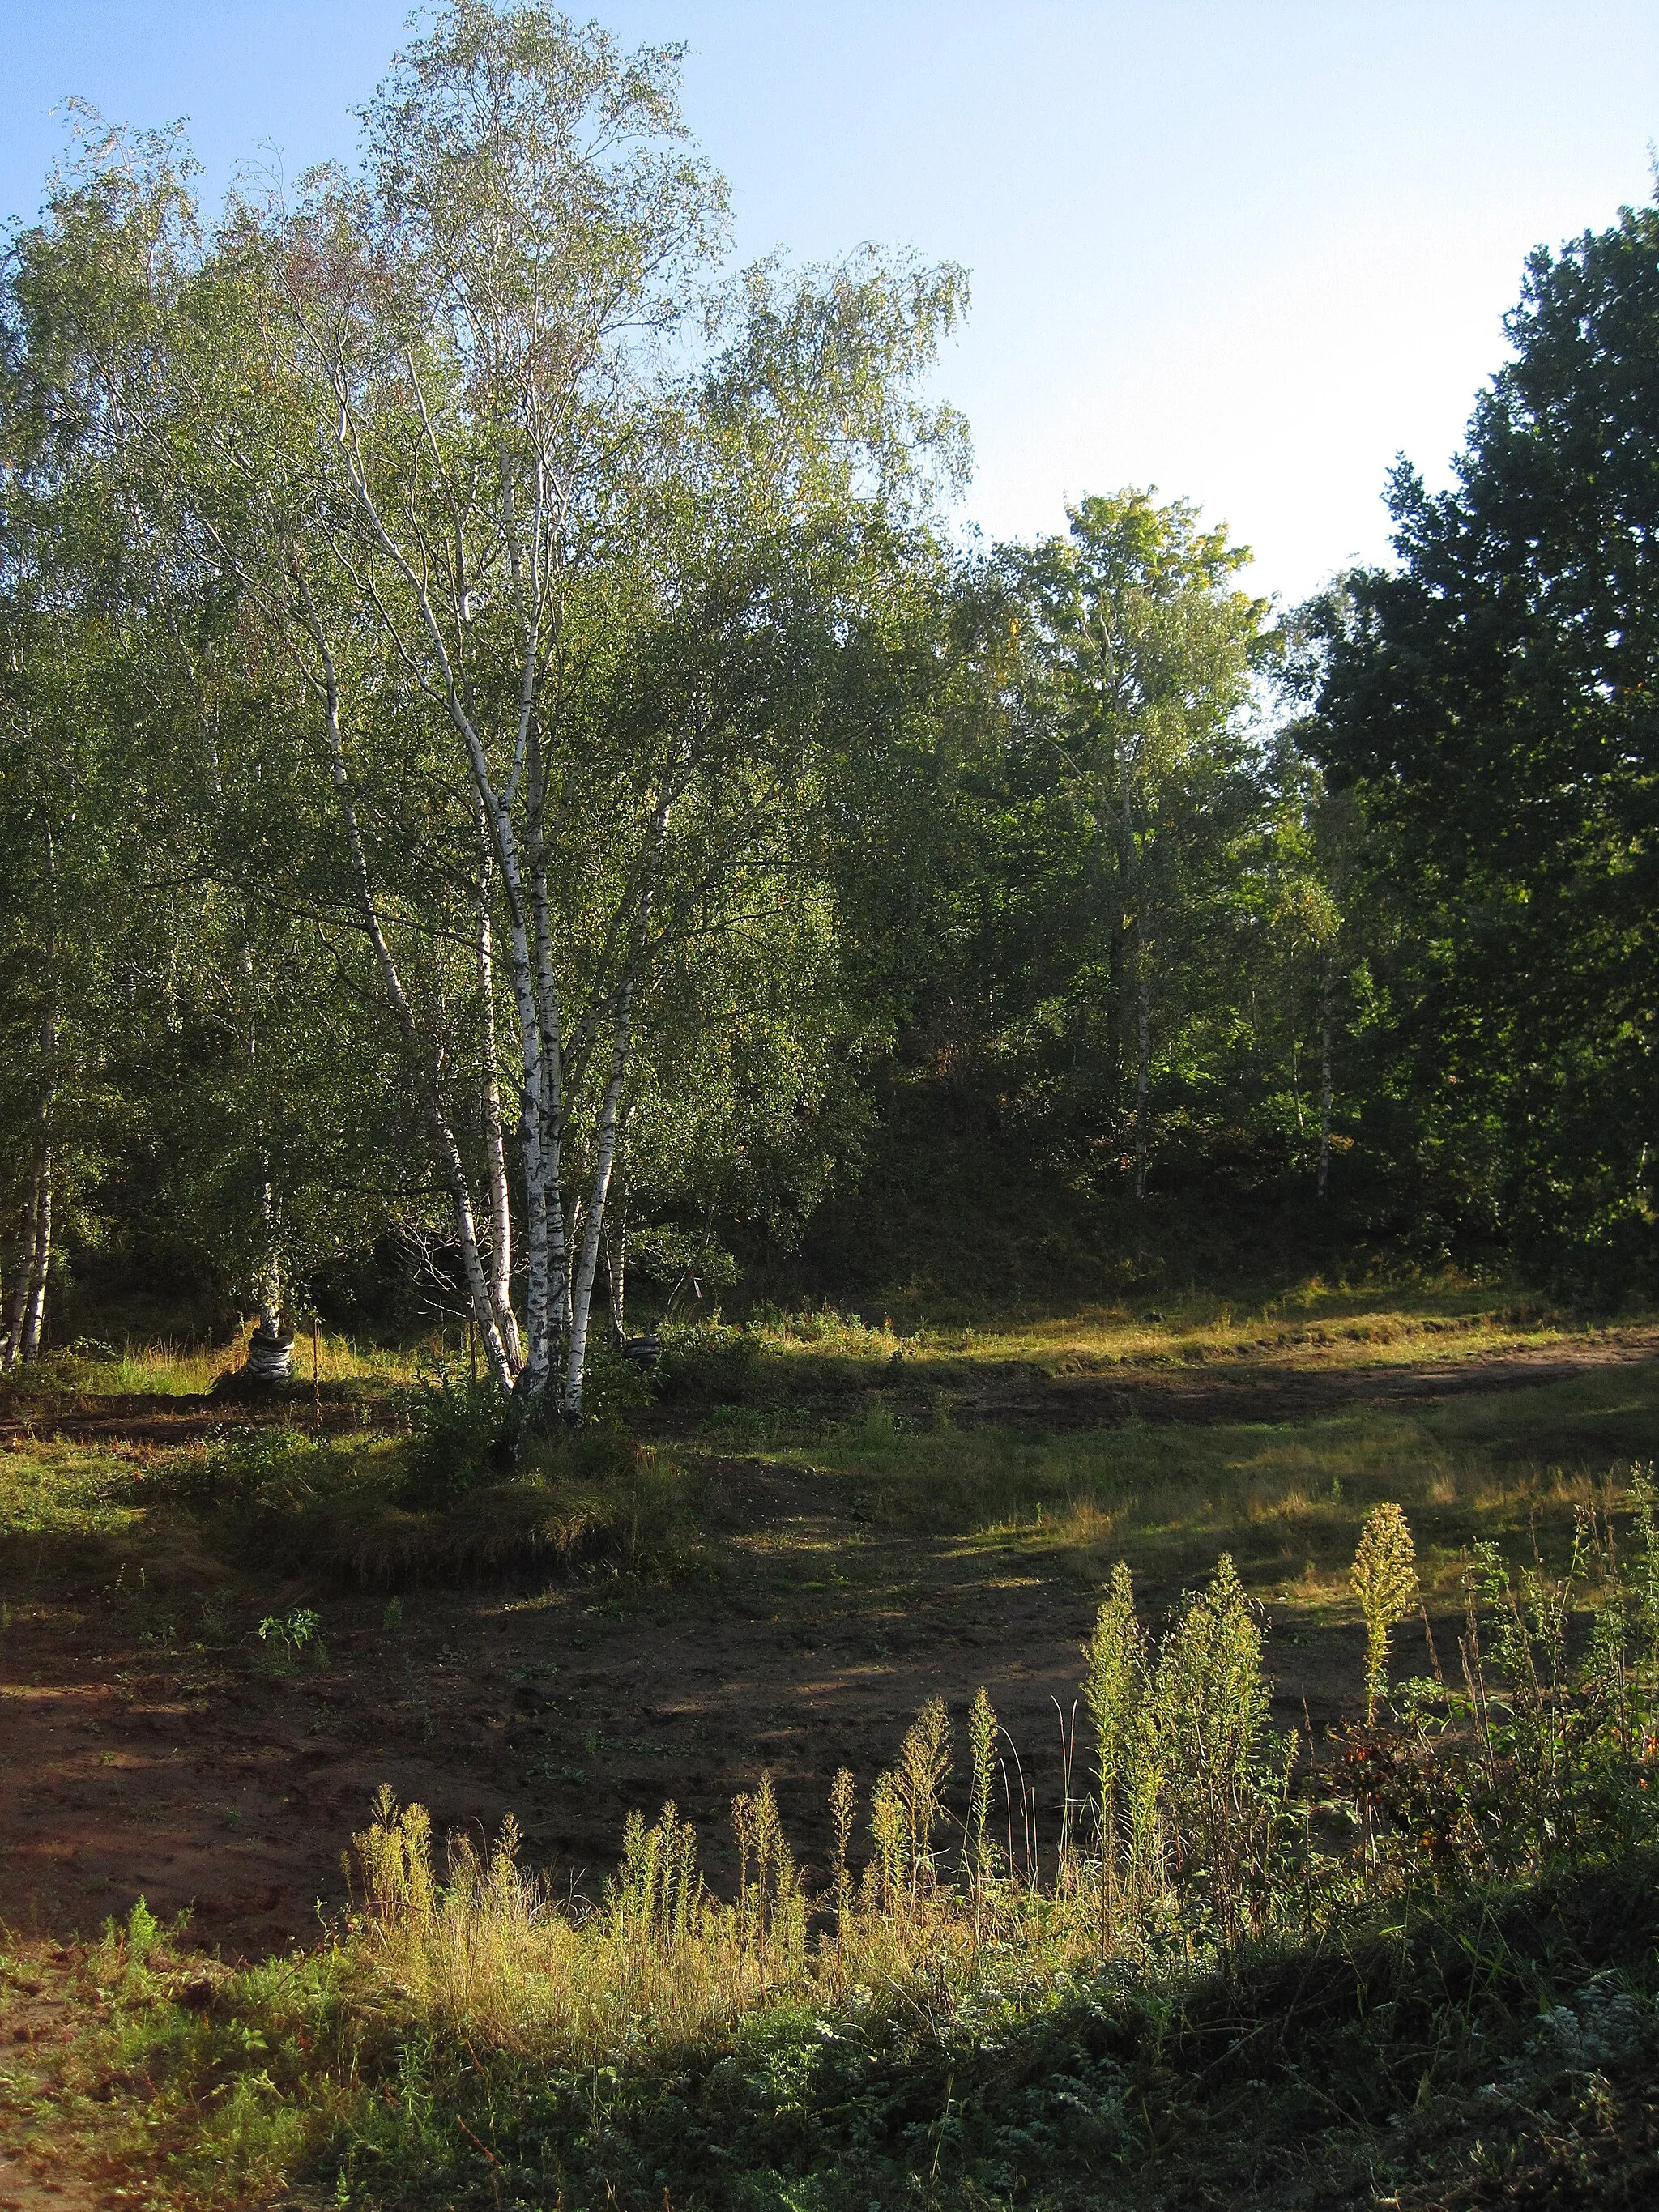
{"type": "Point", "coordinates": [1286, 1498]}
{"type": "Point", "coordinates": [1311, 1325]}
{"type": "Point", "coordinates": [64, 1490]}
{"type": "Point", "coordinates": [89, 1368]}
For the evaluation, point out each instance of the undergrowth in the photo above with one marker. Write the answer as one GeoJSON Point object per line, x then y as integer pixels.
{"type": "Point", "coordinates": [381, 1515]}
{"type": "Point", "coordinates": [1239, 1973]}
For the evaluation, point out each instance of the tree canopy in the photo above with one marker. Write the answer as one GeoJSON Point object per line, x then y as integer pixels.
{"type": "Point", "coordinates": [507, 760]}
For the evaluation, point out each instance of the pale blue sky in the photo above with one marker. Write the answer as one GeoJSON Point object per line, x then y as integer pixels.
{"type": "Point", "coordinates": [1245, 252]}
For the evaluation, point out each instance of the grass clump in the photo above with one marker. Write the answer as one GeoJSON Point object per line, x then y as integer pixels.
{"type": "Point", "coordinates": [367, 1510]}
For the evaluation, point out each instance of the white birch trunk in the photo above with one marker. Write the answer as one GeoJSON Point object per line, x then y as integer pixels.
{"type": "Point", "coordinates": [615, 1244]}
{"type": "Point", "coordinates": [501, 1207]}
{"type": "Point", "coordinates": [453, 1166]}
{"type": "Point", "coordinates": [11, 1345]}
{"type": "Point", "coordinates": [270, 1347]}
{"type": "Point", "coordinates": [588, 1258]}
{"type": "Point", "coordinates": [27, 1308]}
{"type": "Point", "coordinates": [34, 1308]}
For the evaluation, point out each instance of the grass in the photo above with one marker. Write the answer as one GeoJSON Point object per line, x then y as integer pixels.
{"type": "Point", "coordinates": [160, 1369]}
{"type": "Point", "coordinates": [285, 1503]}
{"type": "Point", "coordinates": [65, 1492]}
{"type": "Point", "coordinates": [1501, 2050]}
{"type": "Point", "coordinates": [1466, 1978]}
{"type": "Point", "coordinates": [1311, 1322]}
{"type": "Point", "coordinates": [1414, 1974]}
{"type": "Point", "coordinates": [1285, 1498]}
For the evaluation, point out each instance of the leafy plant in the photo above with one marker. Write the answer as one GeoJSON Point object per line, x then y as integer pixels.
{"type": "Point", "coordinates": [290, 1634]}
{"type": "Point", "coordinates": [463, 1433]}
{"type": "Point", "coordinates": [1383, 1579]}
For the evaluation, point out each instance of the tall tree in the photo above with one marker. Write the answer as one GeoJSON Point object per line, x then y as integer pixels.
{"type": "Point", "coordinates": [561, 605]}
{"type": "Point", "coordinates": [1142, 654]}
{"type": "Point", "coordinates": [1492, 702]}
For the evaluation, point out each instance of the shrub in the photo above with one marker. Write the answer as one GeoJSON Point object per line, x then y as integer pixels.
{"type": "Point", "coordinates": [463, 1432]}
{"type": "Point", "coordinates": [710, 1361]}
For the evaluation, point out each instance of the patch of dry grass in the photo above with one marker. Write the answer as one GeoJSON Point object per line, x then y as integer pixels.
{"type": "Point", "coordinates": [1287, 1499]}
{"type": "Point", "coordinates": [1312, 1324]}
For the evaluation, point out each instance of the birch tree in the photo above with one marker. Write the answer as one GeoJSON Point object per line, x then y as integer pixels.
{"type": "Point", "coordinates": [555, 542]}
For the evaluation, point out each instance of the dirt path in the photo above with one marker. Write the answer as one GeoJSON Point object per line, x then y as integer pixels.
{"type": "Point", "coordinates": [159, 1418]}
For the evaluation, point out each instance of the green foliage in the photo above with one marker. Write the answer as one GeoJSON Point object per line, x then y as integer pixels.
{"type": "Point", "coordinates": [1383, 1579]}
{"type": "Point", "coordinates": [709, 1360]}
{"type": "Point", "coordinates": [586, 1502]}
{"type": "Point", "coordinates": [290, 1634]}
{"type": "Point", "coordinates": [1488, 702]}
{"type": "Point", "coordinates": [462, 1434]}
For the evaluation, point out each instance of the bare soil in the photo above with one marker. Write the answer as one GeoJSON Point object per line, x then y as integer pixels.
{"type": "Point", "coordinates": [212, 1779]}
{"type": "Point", "coordinates": [150, 1747]}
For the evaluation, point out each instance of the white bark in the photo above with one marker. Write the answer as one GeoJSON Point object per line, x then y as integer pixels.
{"type": "Point", "coordinates": [26, 1307]}
{"type": "Point", "coordinates": [453, 1165]}
{"type": "Point", "coordinates": [500, 1206]}
{"type": "Point", "coordinates": [616, 1241]}
{"type": "Point", "coordinates": [587, 1261]}
{"type": "Point", "coordinates": [27, 1290]}
{"type": "Point", "coordinates": [270, 1347]}
{"type": "Point", "coordinates": [534, 990]}
{"type": "Point", "coordinates": [34, 1308]}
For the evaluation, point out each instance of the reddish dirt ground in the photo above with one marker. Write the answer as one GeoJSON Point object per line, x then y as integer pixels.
{"type": "Point", "coordinates": [208, 1778]}
{"type": "Point", "coordinates": [151, 1747]}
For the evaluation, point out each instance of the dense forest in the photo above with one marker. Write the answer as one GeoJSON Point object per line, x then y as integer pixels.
{"type": "Point", "coordinates": [517, 803]}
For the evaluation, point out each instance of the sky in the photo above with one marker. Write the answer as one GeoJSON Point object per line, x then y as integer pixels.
{"type": "Point", "coordinates": [1246, 252]}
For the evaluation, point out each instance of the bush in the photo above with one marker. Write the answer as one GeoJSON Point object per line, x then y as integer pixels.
{"type": "Point", "coordinates": [463, 1432]}
{"type": "Point", "coordinates": [710, 1361]}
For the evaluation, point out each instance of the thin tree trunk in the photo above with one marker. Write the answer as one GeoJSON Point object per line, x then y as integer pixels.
{"type": "Point", "coordinates": [270, 1347]}
{"type": "Point", "coordinates": [453, 1165]}
{"type": "Point", "coordinates": [1143, 1056]}
{"type": "Point", "coordinates": [36, 1309]}
{"type": "Point", "coordinates": [605, 1159]}
{"type": "Point", "coordinates": [25, 1318]}
{"type": "Point", "coordinates": [616, 1246]}
{"type": "Point", "coordinates": [501, 1207]}
{"type": "Point", "coordinates": [11, 1344]}
{"type": "Point", "coordinates": [1325, 1090]}
{"type": "Point", "coordinates": [1127, 968]}
{"type": "Point", "coordinates": [550, 1098]}
{"type": "Point", "coordinates": [17, 1305]}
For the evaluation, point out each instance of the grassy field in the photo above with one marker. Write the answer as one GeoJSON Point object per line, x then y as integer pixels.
{"type": "Point", "coordinates": [226, 1624]}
